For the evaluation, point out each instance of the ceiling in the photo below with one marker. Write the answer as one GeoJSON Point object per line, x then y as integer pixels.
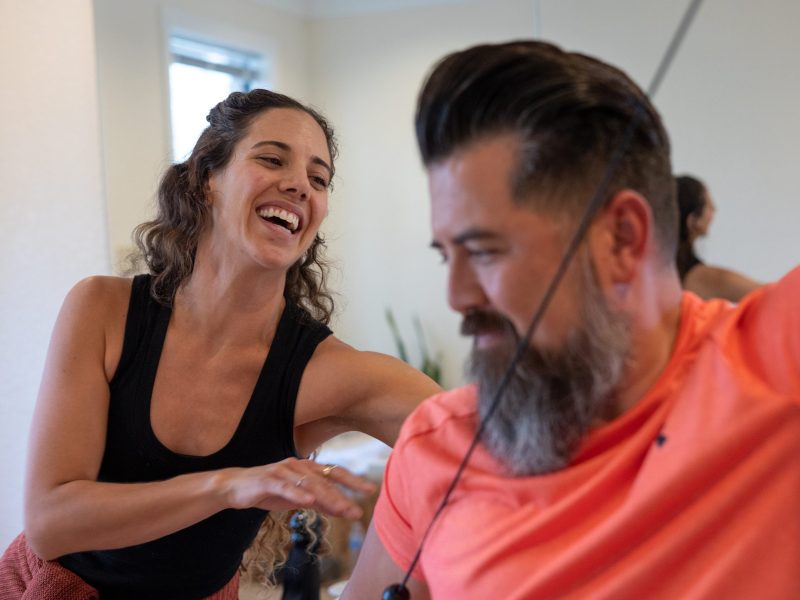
{"type": "Point", "coordinates": [335, 8]}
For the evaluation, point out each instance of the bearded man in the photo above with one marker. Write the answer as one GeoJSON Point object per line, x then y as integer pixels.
{"type": "Point", "coordinates": [647, 443]}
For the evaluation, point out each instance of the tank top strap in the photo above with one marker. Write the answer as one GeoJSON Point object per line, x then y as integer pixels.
{"type": "Point", "coordinates": [142, 311]}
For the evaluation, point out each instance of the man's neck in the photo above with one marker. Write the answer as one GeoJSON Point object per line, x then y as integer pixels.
{"type": "Point", "coordinates": [654, 331]}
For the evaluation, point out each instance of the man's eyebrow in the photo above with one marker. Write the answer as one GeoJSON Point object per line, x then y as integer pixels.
{"type": "Point", "coordinates": [467, 236]}
{"type": "Point", "coordinates": [286, 147]}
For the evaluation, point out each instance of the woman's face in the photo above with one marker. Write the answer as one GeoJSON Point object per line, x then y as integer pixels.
{"type": "Point", "coordinates": [267, 204]}
{"type": "Point", "coordinates": [703, 220]}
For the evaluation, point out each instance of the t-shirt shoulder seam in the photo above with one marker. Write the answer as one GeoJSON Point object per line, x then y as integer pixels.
{"type": "Point", "coordinates": [435, 422]}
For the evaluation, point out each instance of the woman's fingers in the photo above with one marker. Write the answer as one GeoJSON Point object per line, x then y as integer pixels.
{"type": "Point", "coordinates": [332, 487]}
{"type": "Point", "coordinates": [344, 477]}
{"type": "Point", "coordinates": [295, 483]}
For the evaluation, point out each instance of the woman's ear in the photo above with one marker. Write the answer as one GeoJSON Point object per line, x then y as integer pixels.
{"type": "Point", "coordinates": [622, 233]}
{"type": "Point", "coordinates": [207, 192]}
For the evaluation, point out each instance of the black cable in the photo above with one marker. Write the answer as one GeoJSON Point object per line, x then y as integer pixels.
{"type": "Point", "coordinates": [399, 591]}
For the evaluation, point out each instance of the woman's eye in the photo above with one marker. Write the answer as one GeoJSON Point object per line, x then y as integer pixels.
{"type": "Point", "coordinates": [271, 160]}
{"type": "Point", "coordinates": [321, 182]}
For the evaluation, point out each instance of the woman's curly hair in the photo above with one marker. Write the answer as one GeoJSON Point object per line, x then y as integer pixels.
{"type": "Point", "coordinates": [168, 243]}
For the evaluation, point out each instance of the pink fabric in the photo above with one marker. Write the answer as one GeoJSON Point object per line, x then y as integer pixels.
{"type": "Point", "coordinates": [229, 592]}
{"type": "Point", "coordinates": [25, 576]}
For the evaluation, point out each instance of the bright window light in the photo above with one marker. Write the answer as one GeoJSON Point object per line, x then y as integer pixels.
{"type": "Point", "coordinates": [200, 75]}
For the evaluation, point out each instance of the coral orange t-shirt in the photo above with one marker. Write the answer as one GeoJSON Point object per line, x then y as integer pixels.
{"type": "Point", "coordinates": [693, 493]}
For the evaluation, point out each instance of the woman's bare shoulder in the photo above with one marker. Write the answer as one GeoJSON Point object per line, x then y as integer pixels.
{"type": "Point", "coordinates": [103, 287]}
{"type": "Point", "coordinates": [708, 282]}
{"type": "Point", "coordinates": [101, 302]}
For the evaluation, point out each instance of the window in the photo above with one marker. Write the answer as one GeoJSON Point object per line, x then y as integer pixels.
{"type": "Point", "coordinates": [200, 75]}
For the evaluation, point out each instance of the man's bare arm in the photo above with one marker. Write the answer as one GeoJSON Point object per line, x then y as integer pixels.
{"type": "Point", "coordinates": [375, 571]}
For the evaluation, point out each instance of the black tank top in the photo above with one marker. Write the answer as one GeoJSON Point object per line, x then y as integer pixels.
{"type": "Point", "coordinates": [201, 559]}
{"type": "Point", "coordinates": [686, 259]}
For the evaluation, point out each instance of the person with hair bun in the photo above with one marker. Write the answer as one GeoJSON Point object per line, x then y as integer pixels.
{"type": "Point", "coordinates": [697, 210]}
{"type": "Point", "coordinates": [177, 408]}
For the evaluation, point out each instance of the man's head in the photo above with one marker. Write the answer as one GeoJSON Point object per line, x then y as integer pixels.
{"type": "Point", "coordinates": [516, 138]}
{"type": "Point", "coordinates": [568, 112]}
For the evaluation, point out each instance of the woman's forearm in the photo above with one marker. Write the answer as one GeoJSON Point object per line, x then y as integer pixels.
{"type": "Point", "coordinates": [90, 515]}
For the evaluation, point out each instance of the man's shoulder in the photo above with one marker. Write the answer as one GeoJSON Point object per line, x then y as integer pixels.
{"type": "Point", "coordinates": [772, 300]}
{"type": "Point", "coordinates": [786, 288]}
{"type": "Point", "coordinates": [757, 339]}
{"type": "Point", "coordinates": [792, 278]}
{"type": "Point", "coordinates": [784, 291]}
{"type": "Point", "coordinates": [449, 413]}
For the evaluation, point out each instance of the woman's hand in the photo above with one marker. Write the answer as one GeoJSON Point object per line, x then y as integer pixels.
{"type": "Point", "coordinates": [295, 483]}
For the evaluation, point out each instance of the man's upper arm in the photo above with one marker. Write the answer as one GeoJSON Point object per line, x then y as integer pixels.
{"type": "Point", "coordinates": [392, 538]}
{"type": "Point", "coordinates": [376, 570]}
{"type": "Point", "coordinates": [771, 322]}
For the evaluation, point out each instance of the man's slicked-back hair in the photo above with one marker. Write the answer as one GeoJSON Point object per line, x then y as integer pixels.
{"type": "Point", "coordinates": [568, 112]}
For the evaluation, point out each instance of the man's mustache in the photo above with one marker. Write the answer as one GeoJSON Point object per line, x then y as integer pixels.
{"type": "Point", "coordinates": [479, 321]}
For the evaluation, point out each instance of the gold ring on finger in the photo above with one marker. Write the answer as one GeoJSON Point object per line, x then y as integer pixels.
{"type": "Point", "coordinates": [328, 469]}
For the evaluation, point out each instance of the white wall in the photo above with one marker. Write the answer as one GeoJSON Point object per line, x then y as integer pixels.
{"type": "Point", "coordinates": [729, 103]}
{"type": "Point", "coordinates": [366, 72]}
{"type": "Point", "coordinates": [134, 100]}
{"type": "Point", "coordinates": [52, 209]}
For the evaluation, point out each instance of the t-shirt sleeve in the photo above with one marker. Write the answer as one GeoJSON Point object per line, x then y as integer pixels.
{"type": "Point", "coordinates": [392, 517]}
{"type": "Point", "coordinates": [430, 447]}
{"type": "Point", "coordinates": [772, 321]}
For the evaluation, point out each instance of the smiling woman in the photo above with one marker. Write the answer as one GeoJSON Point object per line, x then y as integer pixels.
{"type": "Point", "coordinates": [236, 155]}
{"type": "Point", "coordinates": [176, 408]}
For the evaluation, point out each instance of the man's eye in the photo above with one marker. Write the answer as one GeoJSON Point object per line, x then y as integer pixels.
{"type": "Point", "coordinates": [482, 254]}
{"type": "Point", "coordinates": [440, 253]}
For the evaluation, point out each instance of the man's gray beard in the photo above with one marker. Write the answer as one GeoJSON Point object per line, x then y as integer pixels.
{"type": "Point", "coordinates": [553, 397]}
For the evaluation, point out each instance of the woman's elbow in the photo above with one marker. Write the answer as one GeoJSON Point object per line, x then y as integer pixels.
{"type": "Point", "coordinates": [39, 535]}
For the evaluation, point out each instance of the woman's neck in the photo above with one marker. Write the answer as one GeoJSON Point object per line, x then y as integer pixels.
{"type": "Point", "coordinates": [231, 305]}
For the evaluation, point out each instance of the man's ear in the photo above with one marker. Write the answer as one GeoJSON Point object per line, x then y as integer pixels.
{"type": "Point", "coordinates": [621, 235]}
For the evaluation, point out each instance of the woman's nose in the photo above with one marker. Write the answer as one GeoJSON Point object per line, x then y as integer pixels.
{"type": "Point", "coordinates": [296, 183]}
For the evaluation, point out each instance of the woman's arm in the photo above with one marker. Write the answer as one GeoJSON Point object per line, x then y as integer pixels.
{"type": "Point", "coordinates": [67, 510]}
{"type": "Point", "coordinates": [344, 389]}
{"type": "Point", "coordinates": [715, 282]}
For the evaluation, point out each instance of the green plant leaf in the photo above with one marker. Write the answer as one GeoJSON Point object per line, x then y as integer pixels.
{"type": "Point", "coordinates": [398, 341]}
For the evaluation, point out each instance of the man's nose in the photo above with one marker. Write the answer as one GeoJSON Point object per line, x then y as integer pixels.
{"type": "Point", "coordinates": [464, 291]}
